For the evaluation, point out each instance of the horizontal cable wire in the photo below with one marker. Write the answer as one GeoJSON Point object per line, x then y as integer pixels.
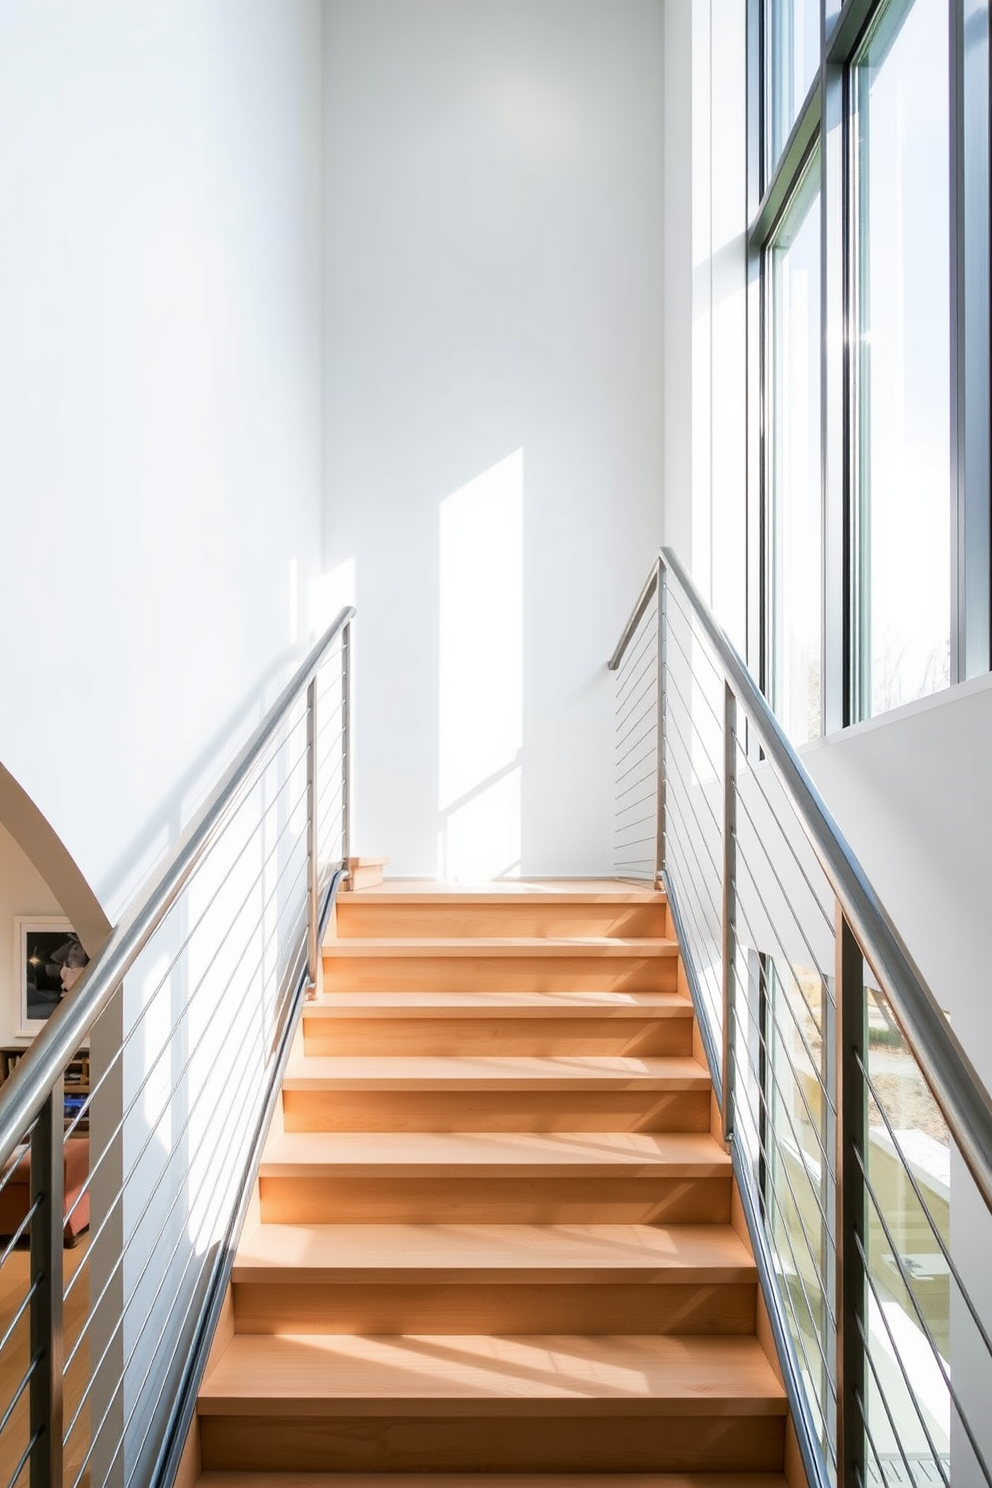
{"type": "Point", "coordinates": [22, 1386]}
{"type": "Point", "coordinates": [924, 1206]}
{"type": "Point", "coordinates": [181, 1014]}
{"type": "Point", "coordinates": [219, 1002]}
{"type": "Point", "coordinates": [33, 1441]}
{"type": "Point", "coordinates": [234, 1131]}
{"type": "Point", "coordinates": [894, 1347]}
{"type": "Point", "coordinates": [945, 1372]}
{"type": "Point", "coordinates": [753, 775]}
{"type": "Point", "coordinates": [175, 1146]}
{"type": "Point", "coordinates": [759, 837]}
{"type": "Point", "coordinates": [150, 1001]}
{"type": "Point", "coordinates": [648, 694]}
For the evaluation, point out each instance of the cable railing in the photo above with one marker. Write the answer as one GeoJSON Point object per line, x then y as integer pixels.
{"type": "Point", "coordinates": [129, 1130]}
{"type": "Point", "coordinates": [851, 1109]}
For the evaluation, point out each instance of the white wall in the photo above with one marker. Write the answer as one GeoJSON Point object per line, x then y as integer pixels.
{"type": "Point", "coordinates": [160, 292]}
{"type": "Point", "coordinates": [494, 243]}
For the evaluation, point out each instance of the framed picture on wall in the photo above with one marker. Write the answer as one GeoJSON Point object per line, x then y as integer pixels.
{"type": "Point", "coordinates": [50, 960]}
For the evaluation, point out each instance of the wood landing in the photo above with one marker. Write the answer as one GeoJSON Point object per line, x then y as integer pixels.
{"type": "Point", "coordinates": [495, 1230]}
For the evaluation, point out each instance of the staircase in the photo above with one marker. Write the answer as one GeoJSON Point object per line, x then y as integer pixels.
{"type": "Point", "coordinates": [495, 1232]}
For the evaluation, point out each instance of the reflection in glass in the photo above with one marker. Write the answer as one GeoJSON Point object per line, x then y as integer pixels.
{"type": "Point", "coordinates": [909, 1227]}
{"type": "Point", "coordinates": [799, 1174]}
{"type": "Point", "coordinates": [903, 591]}
{"type": "Point", "coordinates": [795, 523]}
{"type": "Point", "coordinates": [793, 58]}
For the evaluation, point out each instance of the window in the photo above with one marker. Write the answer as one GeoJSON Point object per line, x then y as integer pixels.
{"type": "Point", "coordinates": [793, 61]}
{"type": "Point", "coordinates": [874, 564]}
{"type": "Point", "coordinates": [794, 518]}
{"type": "Point", "coordinates": [903, 601]}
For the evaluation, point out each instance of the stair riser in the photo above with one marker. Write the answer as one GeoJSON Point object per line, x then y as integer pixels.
{"type": "Point", "coordinates": [600, 1307]}
{"type": "Point", "coordinates": [471, 1200]}
{"type": "Point", "coordinates": [506, 1443]}
{"type": "Point", "coordinates": [501, 1110]}
{"type": "Point", "coordinates": [499, 974]}
{"type": "Point", "coordinates": [357, 920]}
{"type": "Point", "coordinates": [633, 1037]}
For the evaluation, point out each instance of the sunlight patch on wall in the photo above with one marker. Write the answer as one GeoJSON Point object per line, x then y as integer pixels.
{"type": "Point", "coordinates": [481, 674]}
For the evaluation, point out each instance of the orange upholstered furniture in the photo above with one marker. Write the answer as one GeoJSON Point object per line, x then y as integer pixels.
{"type": "Point", "coordinates": [15, 1196]}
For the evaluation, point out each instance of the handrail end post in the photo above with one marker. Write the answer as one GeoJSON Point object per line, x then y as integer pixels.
{"type": "Point", "coordinates": [45, 1401]}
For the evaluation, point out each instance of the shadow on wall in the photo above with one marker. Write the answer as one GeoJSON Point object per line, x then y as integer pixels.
{"type": "Point", "coordinates": [162, 829]}
{"type": "Point", "coordinates": [39, 842]}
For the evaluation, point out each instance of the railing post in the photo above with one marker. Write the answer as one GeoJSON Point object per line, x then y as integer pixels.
{"type": "Point", "coordinates": [729, 904]}
{"type": "Point", "coordinates": [662, 597]}
{"type": "Point", "coordinates": [346, 746]}
{"type": "Point", "coordinates": [850, 1220]}
{"type": "Point", "coordinates": [313, 881]}
{"type": "Point", "coordinates": [47, 1220]}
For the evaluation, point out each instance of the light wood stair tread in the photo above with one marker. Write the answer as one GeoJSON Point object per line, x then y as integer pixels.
{"type": "Point", "coordinates": [496, 1154]}
{"type": "Point", "coordinates": [502, 1004]}
{"type": "Point", "coordinates": [557, 891]}
{"type": "Point", "coordinates": [490, 1480]}
{"type": "Point", "coordinates": [490, 1374]}
{"type": "Point", "coordinates": [494, 947]}
{"type": "Point", "coordinates": [494, 1071]}
{"type": "Point", "coordinates": [548, 1254]}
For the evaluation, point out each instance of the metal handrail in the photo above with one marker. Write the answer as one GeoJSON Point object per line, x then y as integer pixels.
{"type": "Point", "coordinates": [26, 1092]}
{"type": "Point", "coordinates": [963, 1100]}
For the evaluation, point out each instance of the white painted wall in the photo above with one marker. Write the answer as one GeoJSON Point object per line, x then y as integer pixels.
{"type": "Point", "coordinates": [494, 241]}
{"type": "Point", "coordinates": [160, 373]}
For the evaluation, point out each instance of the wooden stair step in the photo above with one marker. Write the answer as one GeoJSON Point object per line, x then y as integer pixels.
{"type": "Point", "coordinates": [495, 1177]}
{"type": "Point", "coordinates": [524, 912]}
{"type": "Point", "coordinates": [574, 1092]}
{"type": "Point", "coordinates": [502, 1279]}
{"type": "Point", "coordinates": [483, 1005]}
{"type": "Point", "coordinates": [500, 964]}
{"type": "Point", "coordinates": [549, 1254]}
{"type": "Point", "coordinates": [522, 1023]}
{"type": "Point", "coordinates": [525, 1073]}
{"type": "Point", "coordinates": [316, 1375]}
{"type": "Point", "coordinates": [539, 947]}
{"type": "Point", "coordinates": [495, 1154]}
{"type": "Point", "coordinates": [508, 891]}
{"type": "Point", "coordinates": [490, 1480]}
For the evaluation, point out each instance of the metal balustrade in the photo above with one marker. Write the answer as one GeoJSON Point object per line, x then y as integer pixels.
{"type": "Point", "coordinates": [852, 1112]}
{"type": "Point", "coordinates": [187, 1014]}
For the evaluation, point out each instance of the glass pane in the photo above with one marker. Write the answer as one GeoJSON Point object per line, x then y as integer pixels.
{"type": "Point", "coordinates": [909, 1231]}
{"type": "Point", "coordinates": [799, 1175]}
{"type": "Point", "coordinates": [795, 525]}
{"type": "Point", "coordinates": [793, 58]}
{"type": "Point", "coordinates": [903, 598]}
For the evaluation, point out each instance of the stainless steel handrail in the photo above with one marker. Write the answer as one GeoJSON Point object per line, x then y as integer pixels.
{"type": "Point", "coordinates": [23, 1096]}
{"type": "Point", "coordinates": [964, 1102]}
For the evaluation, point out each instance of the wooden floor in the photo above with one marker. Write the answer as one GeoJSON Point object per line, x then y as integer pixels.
{"type": "Point", "coordinates": [14, 1358]}
{"type": "Point", "coordinates": [494, 1231]}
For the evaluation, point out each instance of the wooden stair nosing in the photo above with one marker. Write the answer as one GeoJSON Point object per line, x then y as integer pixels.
{"type": "Point", "coordinates": [495, 948]}
{"type": "Point", "coordinates": [496, 1154]}
{"type": "Point", "coordinates": [289, 1479]}
{"type": "Point", "coordinates": [547, 1254]}
{"type": "Point", "coordinates": [566, 1005]}
{"type": "Point", "coordinates": [510, 1375]}
{"type": "Point", "coordinates": [448, 1073]}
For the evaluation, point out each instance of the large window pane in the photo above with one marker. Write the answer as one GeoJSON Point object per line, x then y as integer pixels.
{"type": "Point", "coordinates": [903, 560]}
{"type": "Point", "coordinates": [794, 525]}
{"type": "Point", "coordinates": [793, 57]}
